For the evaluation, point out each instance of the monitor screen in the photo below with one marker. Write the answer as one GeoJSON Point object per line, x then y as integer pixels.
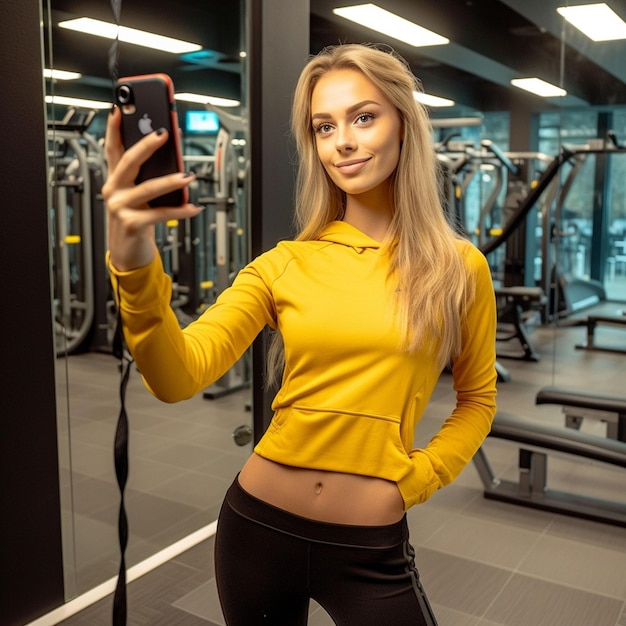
{"type": "Point", "coordinates": [201, 122]}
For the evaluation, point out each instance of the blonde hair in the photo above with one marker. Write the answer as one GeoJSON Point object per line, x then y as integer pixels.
{"type": "Point", "coordinates": [426, 265]}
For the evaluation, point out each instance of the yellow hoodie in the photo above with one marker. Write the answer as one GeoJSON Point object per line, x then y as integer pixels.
{"type": "Point", "coordinates": [350, 400]}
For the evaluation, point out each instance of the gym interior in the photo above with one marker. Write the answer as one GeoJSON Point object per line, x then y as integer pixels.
{"type": "Point", "coordinates": [533, 532]}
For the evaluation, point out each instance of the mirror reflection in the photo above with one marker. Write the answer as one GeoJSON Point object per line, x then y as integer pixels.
{"type": "Point", "coordinates": [535, 181]}
{"type": "Point", "coordinates": [182, 457]}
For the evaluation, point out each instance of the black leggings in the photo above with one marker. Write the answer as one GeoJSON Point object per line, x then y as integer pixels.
{"type": "Point", "coordinates": [269, 562]}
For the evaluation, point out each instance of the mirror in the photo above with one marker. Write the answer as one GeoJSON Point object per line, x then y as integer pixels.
{"type": "Point", "coordinates": [181, 457]}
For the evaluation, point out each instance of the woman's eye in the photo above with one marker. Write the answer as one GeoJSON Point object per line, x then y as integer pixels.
{"type": "Point", "coordinates": [324, 128]}
{"type": "Point", "coordinates": [364, 118]}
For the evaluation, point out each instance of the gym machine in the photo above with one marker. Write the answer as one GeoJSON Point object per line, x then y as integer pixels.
{"type": "Point", "coordinates": [219, 237]}
{"type": "Point", "coordinates": [531, 489]}
{"type": "Point", "coordinates": [487, 185]}
{"type": "Point", "coordinates": [83, 307]}
{"type": "Point", "coordinates": [536, 440]}
{"type": "Point", "coordinates": [520, 298]}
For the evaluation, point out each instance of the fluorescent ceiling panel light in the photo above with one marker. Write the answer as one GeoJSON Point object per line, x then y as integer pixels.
{"type": "Point", "coordinates": [201, 99]}
{"type": "Point", "coordinates": [539, 87]}
{"type": "Point", "coordinates": [60, 74]}
{"type": "Point", "coordinates": [77, 102]}
{"type": "Point", "coordinates": [598, 21]}
{"type": "Point", "coordinates": [432, 101]}
{"type": "Point", "coordinates": [382, 21]}
{"type": "Point", "coordinates": [130, 35]}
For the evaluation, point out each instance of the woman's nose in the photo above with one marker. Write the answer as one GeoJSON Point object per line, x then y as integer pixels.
{"type": "Point", "coordinates": [344, 139]}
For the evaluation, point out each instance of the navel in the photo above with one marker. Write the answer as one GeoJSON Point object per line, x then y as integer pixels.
{"type": "Point", "coordinates": [318, 488]}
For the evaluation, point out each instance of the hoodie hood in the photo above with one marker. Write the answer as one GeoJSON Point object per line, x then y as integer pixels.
{"type": "Point", "coordinates": [347, 235]}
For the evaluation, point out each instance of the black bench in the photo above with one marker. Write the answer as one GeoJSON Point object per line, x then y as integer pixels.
{"type": "Point", "coordinates": [592, 322]}
{"type": "Point", "coordinates": [578, 405]}
{"type": "Point", "coordinates": [514, 304]}
{"type": "Point", "coordinates": [531, 489]}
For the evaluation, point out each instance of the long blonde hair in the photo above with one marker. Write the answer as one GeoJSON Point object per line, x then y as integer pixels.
{"type": "Point", "coordinates": [434, 286]}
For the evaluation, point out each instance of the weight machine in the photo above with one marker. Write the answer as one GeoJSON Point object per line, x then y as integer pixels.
{"type": "Point", "coordinates": [219, 236]}
{"type": "Point", "coordinates": [83, 307]}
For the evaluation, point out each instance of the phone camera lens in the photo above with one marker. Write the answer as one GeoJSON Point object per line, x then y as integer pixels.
{"type": "Point", "coordinates": [124, 94]}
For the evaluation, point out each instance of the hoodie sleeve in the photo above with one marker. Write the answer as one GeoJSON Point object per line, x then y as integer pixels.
{"type": "Point", "coordinates": [474, 376]}
{"type": "Point", "coordinates": [178, 363]}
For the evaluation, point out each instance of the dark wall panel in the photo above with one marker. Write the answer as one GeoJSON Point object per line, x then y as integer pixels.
{"type": "Point", "coordinates": [279, 47]}
{"type": "Point", "coordinates": [31, 571]}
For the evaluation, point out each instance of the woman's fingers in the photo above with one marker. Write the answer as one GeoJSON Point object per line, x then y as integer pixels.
{"type": "Point", "coordinates": [131, 218]}
{"type": "Point", "coordinates": [137, 196]}
{"type": "Point", "coordinates": [113, 146]}
{"type": "Point", "coordinates": [120, 190]}
{"type": "Point", "coordinates": [126, 163]}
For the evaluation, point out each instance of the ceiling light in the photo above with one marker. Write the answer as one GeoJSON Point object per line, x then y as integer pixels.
{"type": "Point", "coordinates": [129, 35]}
{"type": "Point", "coordinates": [598, 21]}
{"type": "Point", "coordinates": [383, 21]}
{"type": "Point", "coordinates": [201, 99]}
{"type": "Point", "coordinates": [77, 102]}
{"type": "Point", "coordinates": [60, 74]}
{"type": "Point", "coordinates": [432, 101]}
{"type": "Point", "coordinates": [539, 87]}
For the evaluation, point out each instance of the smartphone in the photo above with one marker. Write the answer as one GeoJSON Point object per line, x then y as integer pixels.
{"type": "Point", "coordinates": [147, 104]}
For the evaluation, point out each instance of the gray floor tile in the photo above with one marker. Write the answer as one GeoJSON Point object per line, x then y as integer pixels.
{"type": "Point", "coordinates": [484, 541]}
{"type": "Point", "coordinates": [187, 455]}
{"type": "Point", "coordinates": [459, 584]}
{"type": "Point", "coordinates": [92, 460]}
{"type": "Point", "coordinates": [145, 474]}
{"type": "Point", "coordinates": [143, 444]}
{"type": "Point", "coordinates": [91, 495]}
{"type": "Point", "coordinates": [95, 432]}
{"type": "Point", "coordinates": [525, 601]}
{"type": "Point", "coordinates": [203, 602]}
{"type": "Point", "coordinates": [191, 488]}
{"type": "Point", "coordinates": [426, 520]}
{"type": "Point", "coordinates": [582, 566]}
{"type": "Point", "coordinates": [184, 526]}
{"type": "Point", "coordinates": [149, 514]}
{"type": "Point", "coordinates": [448, 617]}
{"type": "Point", "coordinates": [588, 533]}
{"type": "Point", "coordinates": [510, 516]}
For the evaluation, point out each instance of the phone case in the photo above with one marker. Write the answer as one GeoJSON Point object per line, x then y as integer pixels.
{"type": "Point", "coordinates": [147, 104]}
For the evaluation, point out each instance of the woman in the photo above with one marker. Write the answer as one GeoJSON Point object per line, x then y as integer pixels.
{"type": "Point", "coordinates": [371, 301]}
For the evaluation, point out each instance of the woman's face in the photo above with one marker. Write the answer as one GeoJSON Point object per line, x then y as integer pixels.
{"type": "Point", "coordinates": [357, 132]}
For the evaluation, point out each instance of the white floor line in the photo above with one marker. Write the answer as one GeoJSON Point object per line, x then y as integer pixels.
{"type": "Point", "coordinates": [137, 571]}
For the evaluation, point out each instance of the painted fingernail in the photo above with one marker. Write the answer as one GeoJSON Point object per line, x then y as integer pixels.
{"type": "Point", "coordinates": [113, 107]}
{"type": "Point", "coordinates": [160, 131]}
{"type": "Point", "coordinates": [188, 174]}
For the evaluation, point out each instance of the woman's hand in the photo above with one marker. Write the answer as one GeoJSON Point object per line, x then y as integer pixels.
{"type": "Point", "coordinates": [131, 221]}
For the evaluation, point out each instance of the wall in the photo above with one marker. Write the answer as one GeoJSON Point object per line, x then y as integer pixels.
{"type": "Point", "coordinates": [31, 572]}
{"type": "Point", "coordinates": [277, 55]}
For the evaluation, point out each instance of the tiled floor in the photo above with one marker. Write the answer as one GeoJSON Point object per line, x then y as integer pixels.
{"type": "Point", "coordinates": [483, 563]}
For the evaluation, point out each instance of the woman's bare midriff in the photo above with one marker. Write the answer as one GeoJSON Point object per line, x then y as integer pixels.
{"type": "Point", "coordinates": [332, 497]}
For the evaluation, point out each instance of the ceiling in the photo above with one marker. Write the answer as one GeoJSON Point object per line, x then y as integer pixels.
{"type": "Point", "coordinates": [492, 41]}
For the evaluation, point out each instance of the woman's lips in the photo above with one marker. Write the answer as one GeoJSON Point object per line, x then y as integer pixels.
{"type": "Point", "coordinates": [352, 166]}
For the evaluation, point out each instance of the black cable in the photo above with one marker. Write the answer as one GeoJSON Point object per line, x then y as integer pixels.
{"type": "Point", "coordinates": [121, 431]}
{"type": "Point", "coordinates": [116, 7]}
{"type": "Point", "coordinates": [121, 469]}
